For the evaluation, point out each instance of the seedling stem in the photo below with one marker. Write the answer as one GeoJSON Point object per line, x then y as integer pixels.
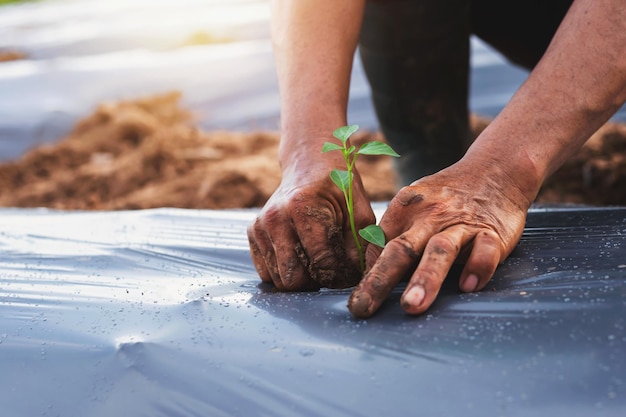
{"type": "Point", "coordinates": [344, 180]}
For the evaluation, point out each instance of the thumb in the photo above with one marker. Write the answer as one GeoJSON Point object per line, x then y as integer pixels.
{"type": "Point", "coordinates": [372, 252]}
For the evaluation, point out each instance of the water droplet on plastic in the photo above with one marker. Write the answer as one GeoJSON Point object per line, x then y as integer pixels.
{"type": "Point", "coordinates": [307, 352]}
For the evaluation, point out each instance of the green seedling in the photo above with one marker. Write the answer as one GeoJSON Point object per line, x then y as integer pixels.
{"type": "Point", "coordinates": [344, 180]}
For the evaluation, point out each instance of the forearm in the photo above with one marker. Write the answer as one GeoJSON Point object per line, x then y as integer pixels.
{"type": "Point", "coordinates": [314, 43]}
{"type": "Point", "coordinates": [578, 85]}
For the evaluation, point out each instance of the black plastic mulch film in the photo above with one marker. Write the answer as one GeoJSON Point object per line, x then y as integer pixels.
{"type": "Point", "coordinates": [160, 313]}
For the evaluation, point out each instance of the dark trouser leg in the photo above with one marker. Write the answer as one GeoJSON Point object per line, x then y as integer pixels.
{"type": "Point", "coordinates": [416, 57]}
{"type": "Point", "coordinates": [521, 31]}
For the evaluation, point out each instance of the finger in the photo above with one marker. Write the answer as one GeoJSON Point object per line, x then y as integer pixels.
{"type": "Point", "coordinates": [291, 260]}
{"type": "Point", "coordinates": [392, 222]}
{"type": "Point", "coordinates": [257, 257]}
{"type": "Point", "coordinates": [286, 259]}
{"type": "Point", "coordinates": [372, 253]}
{"type": "Point", "coordinates": [403, 208]}
{"type": "Point", "coordinates": [482, 262]}
{"type": "Point", "coordinates": [399, 257]}
{"type": "Point", "coordinates": [267, 259]}
{"type": "Point", "coordinates": [440, 253]}
{"type": "Point", "coordinates": [326, 259]}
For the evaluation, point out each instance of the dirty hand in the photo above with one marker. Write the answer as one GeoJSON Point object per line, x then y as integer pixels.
{"type": "Point", "coordinates": [465, 212]}
{"type": "Point", "coordinates": [301, 240]}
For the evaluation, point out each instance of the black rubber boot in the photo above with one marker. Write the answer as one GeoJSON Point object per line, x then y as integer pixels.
{"type": "Point", "coordinates": [416, 57]}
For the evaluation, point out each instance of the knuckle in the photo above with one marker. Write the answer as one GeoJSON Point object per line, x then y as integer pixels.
{"type": "Point", "coordinates": [292, 205]}
{"type": "Point", "coordinates": [402, 244]}
{"type": "Point", "coordinates": [306, 212]}
{"type": "Point", "coordinates": [490, 239]}
{"type": "Point", "coordinates": [489, 243]}
{"type": "Point", "coordinates": [442, 245]}
{"type": "Point", "coordinates": [325, 258]}
{"type": "Point", "coordinates": [408, 196]}
{"type": "Point", "coordinates": [270, 218]}
{"type": "Point", "coordinates": [255, 230]}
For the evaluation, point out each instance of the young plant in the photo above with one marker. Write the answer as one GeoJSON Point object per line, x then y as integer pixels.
{"type": "Point", "coordinates": [344, 180]}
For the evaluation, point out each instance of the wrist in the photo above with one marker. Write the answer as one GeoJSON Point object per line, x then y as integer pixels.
{"type": "Point", "coordinates": [301, 141]}
{"type": "Point", "coordinates": [301, 158]}
{"type": "Point", "coordinates": [514, 169]}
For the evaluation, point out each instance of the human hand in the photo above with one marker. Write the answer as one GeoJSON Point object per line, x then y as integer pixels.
{"type": "Point", "coordinates": [301, 239]}
{"type": "Point", "coordinates": [460, 213]}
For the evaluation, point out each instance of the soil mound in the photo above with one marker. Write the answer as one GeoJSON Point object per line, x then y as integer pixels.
{"type": "Point", "coordinates": [10, 55]}
{"type": "Point", "coordinates": [147, 153]}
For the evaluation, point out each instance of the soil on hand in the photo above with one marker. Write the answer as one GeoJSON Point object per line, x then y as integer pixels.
{"type": "Point", "coordinates": [147, 153]}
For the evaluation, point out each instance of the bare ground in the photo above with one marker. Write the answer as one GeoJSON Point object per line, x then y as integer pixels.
{"type": "Point", "coordinates": [147, 153]}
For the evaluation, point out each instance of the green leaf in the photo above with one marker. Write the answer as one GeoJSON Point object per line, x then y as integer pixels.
{"type": "Point", "coordinates": [344, 132]}
{"type": "Point", "coordinates": [376, 148]}
{"type": "Point", "coordinates": [341, 179]}
{"type": "Point", "coordinates": [351, 149]}
{"type": "Point", "coordinates": [373, 234]}
{"type": "Point", "coordinates": [331, 147]}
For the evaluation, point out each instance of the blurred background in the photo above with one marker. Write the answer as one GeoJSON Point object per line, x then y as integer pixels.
{"type": "Point", "coordinates": [63, 57]}
{"type": "Point", "coordinates": [78, 53]}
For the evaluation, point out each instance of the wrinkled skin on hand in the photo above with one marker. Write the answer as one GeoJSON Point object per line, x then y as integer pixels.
{"type": "Point", "coordinates": [461, 213]}
{"type": "Point", "coordinates": [301, 240]}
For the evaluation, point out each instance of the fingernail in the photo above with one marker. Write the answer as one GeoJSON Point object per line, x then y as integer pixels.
{"type": "Point", "coordinates": [414, 296]}
{"type": "Point", "coordinates": [359, 304]}
{"type": "Point", "coordinates": [470, 284]}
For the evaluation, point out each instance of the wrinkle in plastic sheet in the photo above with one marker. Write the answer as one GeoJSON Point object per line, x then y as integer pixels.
{"type": "Point", "coordinates": [160, 313]}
